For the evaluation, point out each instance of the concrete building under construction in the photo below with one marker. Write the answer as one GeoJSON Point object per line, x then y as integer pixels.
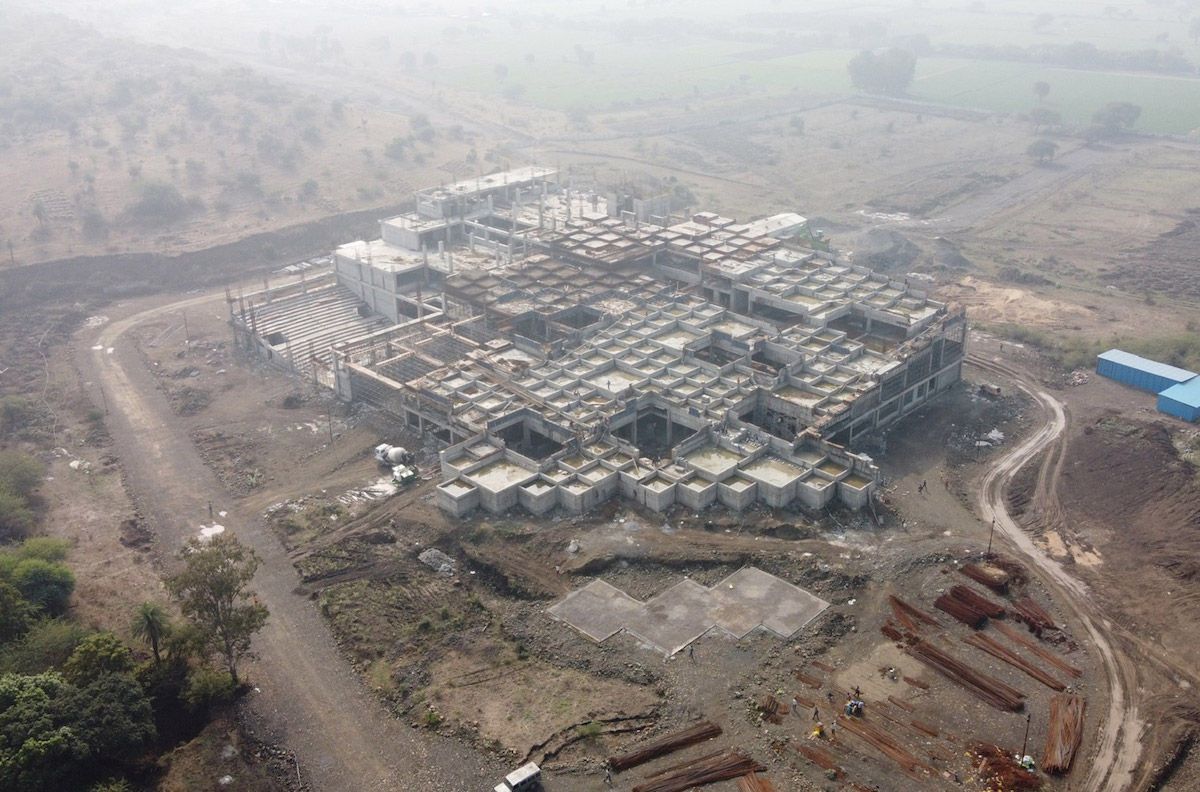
{"type": "Point", "coordinates": [567, 346]}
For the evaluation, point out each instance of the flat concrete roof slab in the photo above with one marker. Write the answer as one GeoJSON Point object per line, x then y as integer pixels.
{"type": "Point", "coordinates": [669, 621]}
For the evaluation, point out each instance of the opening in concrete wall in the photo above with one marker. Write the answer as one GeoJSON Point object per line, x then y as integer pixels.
{"type": "Point", "coordinates": [529, 442]}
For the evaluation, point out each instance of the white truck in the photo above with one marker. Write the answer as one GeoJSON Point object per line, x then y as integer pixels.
{"type": "Point", "coordinates": [527, 776]}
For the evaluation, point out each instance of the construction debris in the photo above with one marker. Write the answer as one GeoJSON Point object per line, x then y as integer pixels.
{"type": "Point", "coordinates": [672, 742]}
{"type": "Point", "coordinates": [995, 579]}
{"type": "Point", "coordinates": [886, 744]}
{"type": "Point", "coordinates": [724, 766]}
{"type": "Point", "coordinates": [1002, 771]}
{"type": "Point", "coordinates": [968, 607]}
{"type": "Point", "coordinates": [1064, 734]}
{"type": "Point", "coordinates": [752, 783]}
{"type": "Point", "coordinates": [990, 690]}
{"type": "Point", "coordinates": [1050, 657]}
{"type": "Point", "coordinates": [997, 649]}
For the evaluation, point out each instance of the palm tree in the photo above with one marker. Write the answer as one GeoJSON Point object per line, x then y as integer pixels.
{"type": "Point", "coordinates": [151, 624]}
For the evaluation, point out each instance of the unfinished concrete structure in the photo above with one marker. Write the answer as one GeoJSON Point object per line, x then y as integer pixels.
{"type": "Point", "coordinates": [564, 354]}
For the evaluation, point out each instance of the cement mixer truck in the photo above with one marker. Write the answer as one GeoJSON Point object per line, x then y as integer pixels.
{"type": "Point", "coordinates": [387, 454]}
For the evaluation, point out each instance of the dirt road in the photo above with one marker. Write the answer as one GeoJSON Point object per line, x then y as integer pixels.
{"type": "Point", "coordinates": [306, 696]}
{"type": "Point", "coordinates": [1112, 767]}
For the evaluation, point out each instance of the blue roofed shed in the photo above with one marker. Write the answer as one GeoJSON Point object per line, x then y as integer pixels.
{"type": "Point", "coordinates": [1182, 400]}
{"type": "Point", "coordinates": [1140, 372]}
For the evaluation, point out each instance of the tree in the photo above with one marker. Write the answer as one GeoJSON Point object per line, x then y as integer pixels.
{"type": "Point", "coordinates": [37, 752]}
{"type": "Point", "coordinates": [1042, 149]}
{"type": "Point", "coordinates": [889, 72]}
{"type": "Point", "coordinates": [44, 584]}
{"type": "Point", "coordinates": [15, 613]}
{"type": "Point", "coordinates": [39, 211]}
{"type": "Point", "coordinates": [211, 590]}
{"type": "Point", "coordinates": [19, 473]}
{"type": "Point", "coordinates": [151, 624]}
{"type": "Point", "coordinates": [99, 654]}
{"type": "Point", "coordinates": [1044, 116]}
{"type": "Point", "coordinates": [1117, 116]}
{"type": "Point", "coordinates": [1042, 89]}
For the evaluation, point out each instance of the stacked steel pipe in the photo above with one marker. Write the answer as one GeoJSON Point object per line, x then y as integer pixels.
{"type": "Point", "coordinates": [1042, 652]}
{"type": "Point", "coordinates": [995, 579]}
{"type": "Point", "coordinates": [999, 650]}
{"type": "Point", "coordinates": [1033, 614]}
{"type": "Point", "coordinates": [886, 744]}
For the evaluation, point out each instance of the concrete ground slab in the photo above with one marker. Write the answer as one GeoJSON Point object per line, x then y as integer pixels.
{"type": "Point", "coordinates": [669, 621]}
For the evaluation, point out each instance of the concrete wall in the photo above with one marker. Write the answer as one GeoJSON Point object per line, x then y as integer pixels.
{"type": "Point", "coordinates": [457, 504]}
{"type": "Point", "coordinates": [696, 493]}
{"type": "Point", "coordinates": [738, 501]}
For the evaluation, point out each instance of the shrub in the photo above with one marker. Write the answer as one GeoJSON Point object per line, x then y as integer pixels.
{"type": "Point", "coordinates": [44, 584]}
{"type": "Point", "coordinates": [19, 473]}
{"type": "Point", "coordinates": [206, 687]}
{"type": "Point", "coordinates": [47, 644]}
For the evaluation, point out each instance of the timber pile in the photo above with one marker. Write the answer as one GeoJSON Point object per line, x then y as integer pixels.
{"type": "Point", "coordinates": [1066, 731]}
{"type": "Point", "coordinates": [997, 649]}
{"type": "Point", "coordinates": [752, 783]}
{"type": "Point", "coordinates": [821, 758]}
{"type": "Point", "coordinates": [1002, 770]}
{"type": "Point", "coordinates": [886, 744]}
{"type": "Point", "coordinates": [908, 616]}
{"type": "Point", "coordinates": [995, 579]}
{"type": "Point", "coordinates": [992, 691]}
{"type": "Point", "coordinates": [722, 767]}
{"type": "Point", "coordinates": [771, 709]}
{"type": "Point", "coordinates": [1045, 654]}
{"type": "Point", "coordinates": [968, 607]}
{"type": "Point", "coordinates": [672, 742]}
{"type": "Point", "coordinates": [1033, 614]}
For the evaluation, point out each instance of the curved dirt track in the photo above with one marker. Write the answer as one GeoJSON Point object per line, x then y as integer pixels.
{"type": "Point", "coordinates": [305, 695]}
{"type": "Point", "coordinates": [1119, 749]}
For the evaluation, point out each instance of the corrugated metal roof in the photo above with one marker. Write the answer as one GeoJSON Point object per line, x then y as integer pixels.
{"type": "Point", "coordinates": [1124, 358]}
{"type": "Point", "coordinates": [1185, 392]}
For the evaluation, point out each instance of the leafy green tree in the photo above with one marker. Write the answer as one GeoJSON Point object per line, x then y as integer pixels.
{"type": "Point", "coordinates": [1043, 117]}
{"type": "Point", "coordinates": [20, 473]}
{"type": "Point", "coordinates": [99, 654]}
{"type": "Point", "coordinates": [1042, 149]}
{"type": "Point", "coordinates": [113, 716]}
{"type": "Point", "coordinates": [44, 584]}
{"type": "Point", "coordinates": [16, 518]}
{"type": "Point", "coordinates": [1117, 116]}
{"type": "Point", "coordinates": [44, 547]}
{"type": "Point", "coordinates": [14, 410]}
{"type": "Point", "coordinates": [888, 72]}
{"type": "Point", "coordinates": [38, 750]}
{"type": "Point", "coordinates": [15, 613]}
{"type": "Point", "coordinates": [47, 644]}
{"type": "Point", "coordinates": [211, 590]}
{"type": "Point", "coordinates": [151, 624]}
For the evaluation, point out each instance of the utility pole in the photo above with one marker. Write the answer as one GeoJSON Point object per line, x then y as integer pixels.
{"type": "Point", "coordinates": [329, 419]}
{"type": "Point", "coordinates": [992, 531]}
{"type": "Point", "coordinates": [187, 336]}
{"type": "Point", "coordinates": [1025, 742]}
{"type": "Point", "coordinates": [104, 399]}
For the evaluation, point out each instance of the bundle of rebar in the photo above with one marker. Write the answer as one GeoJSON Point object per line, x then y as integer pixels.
{"type": "Point", "coordinates": [990, 690]}
{"type": "Point", "coordinates": [885, 743]}
{"type": "Point", "coordinates": [908, 616]}
{"type": "Point", "coordinates": [995, 579]}
{"type": "Point", "coordinates": [823, 666]}
{"type": "Point", "coordinates": [811, 681]}
{"type": "Point", "coordinates": [672, 742]}
{"type": "Point", "coordinates": [892, 631]}
{"type": "Point", "coordinates": [821, 758]}
{"type": "Point", "coordinates": [1064, 734]}
{"type": "Point", "coordinates": [722, 767]}
{"type": "Point", "coordinates": [1033, 614]}
{"type": "Point", "coordinates": [1050, 657]}
{"type": "Point", "coordinates": [968, 607]}
{"type": "Point", "coordinates": [754, 783]}
{"type": "Point", "coordinates": [997, 649]}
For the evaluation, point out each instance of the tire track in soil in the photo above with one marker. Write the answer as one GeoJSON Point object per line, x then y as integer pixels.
{"type": "Point", "coordinates": [306, 695]}
{"type": "Point", "coordinates": [1119, 749]}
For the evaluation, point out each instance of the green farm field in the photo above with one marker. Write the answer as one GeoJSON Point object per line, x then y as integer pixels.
{"type": "Point", "coordinates": [1170, 105]}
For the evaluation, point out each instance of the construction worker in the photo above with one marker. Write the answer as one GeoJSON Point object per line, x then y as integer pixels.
{"type": "Point", "coordinates": [818, 731]}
